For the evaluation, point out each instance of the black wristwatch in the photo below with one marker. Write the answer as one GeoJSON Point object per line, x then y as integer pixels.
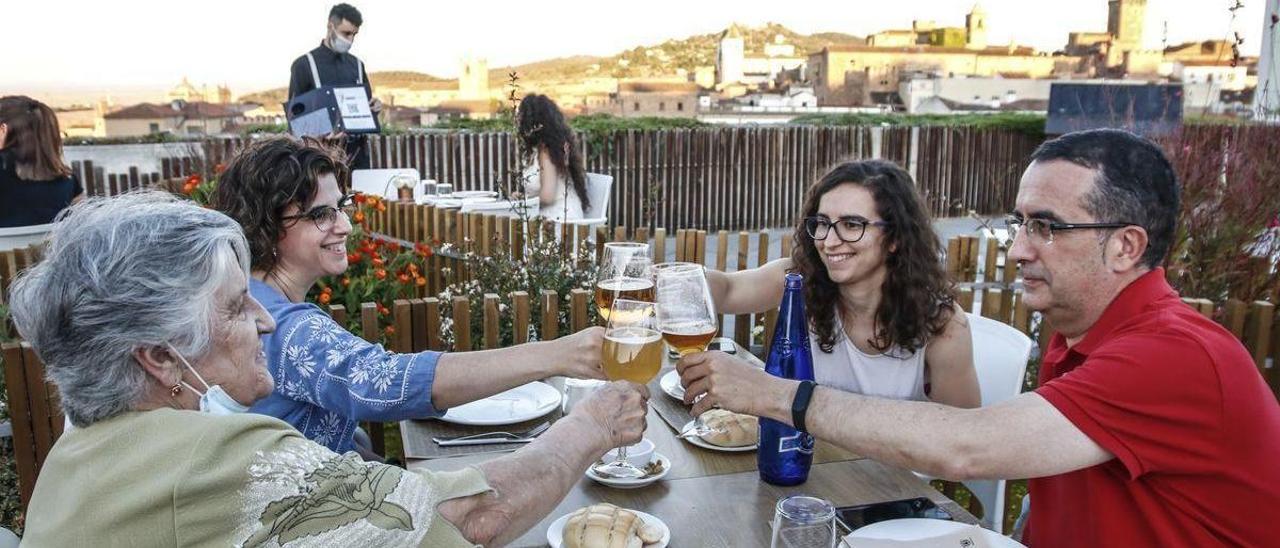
{"type": "Point", "coordinates": [800, 405]}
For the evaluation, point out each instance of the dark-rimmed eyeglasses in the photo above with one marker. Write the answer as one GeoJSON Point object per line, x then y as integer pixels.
{"type": "Point", "coordinates": [325, 216]}
{"type": "Point", "coordinates": [1041, 230]}
{"type": "Point", "coordinates": [848, 229]}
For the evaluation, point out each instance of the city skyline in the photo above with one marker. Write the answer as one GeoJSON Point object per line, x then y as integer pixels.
{"type": "Point", "coordinates": [231, 45]}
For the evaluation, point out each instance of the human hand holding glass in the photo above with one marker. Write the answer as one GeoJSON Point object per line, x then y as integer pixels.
{"type": "Point", "coordinates": [632, 352]}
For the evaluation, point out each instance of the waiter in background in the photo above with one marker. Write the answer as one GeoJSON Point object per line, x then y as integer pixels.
{"type": "Point", "coordinates": [332, 64]}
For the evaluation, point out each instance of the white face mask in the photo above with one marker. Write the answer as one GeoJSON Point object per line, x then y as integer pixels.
{"type": "Point", "coordinates": [214, 400]}
{"type": "Point", "coordinates": [340, 44]}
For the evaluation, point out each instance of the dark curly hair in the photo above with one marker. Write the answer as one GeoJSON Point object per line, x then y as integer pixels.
{"type": "Point", "coordinates": [265, 178]}
{"type": "Point", "coordinates": [917, 298]}
{"type": "Point", "coordinates": [540, 122]}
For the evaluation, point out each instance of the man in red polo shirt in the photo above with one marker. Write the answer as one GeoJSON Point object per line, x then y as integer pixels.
{"type": "Point", "coordinates": [1151, 425]}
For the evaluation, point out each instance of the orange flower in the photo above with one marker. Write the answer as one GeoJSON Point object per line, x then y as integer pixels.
{"type": "Point", "coordinates": [327, 289]}
{"type": "Point", "coordinates": [413, 268]}
{"type": "Point", "coordinates": [393, 247]}
{"type": "Point", "coordinates": [194, 179]}
{"type": "Point", "coordinates": [381, 207]}
{"type": "Point", "coordinates": [353, 258]}
{"type": "Point", "coordinates": [422, 250]}
{"type": "Point", "coordinates": [421, 281]}
{"type": "Point", "coordinates": [219, 168]}
{"type": "Point", "coordinates": [324, 298]}
{"type": "Point", "coordinates": [345, 280]}
{"type": "Point", "coordinates": [382, 309]}
{"type": "Point", "coordinates": [391, 330]}
{"type": "Point", "coordinates": [188, 188]}
{"type": "Point", "coordinates": [359, 198]}
{"type": "Point", "coordinates": [380, 274]}
{"type": "Point", "coordinates": [404, 278]}
{"type": "Point", "coordinates": [378, 262]}
{"type": "Point", "coordinates": [359, 217]}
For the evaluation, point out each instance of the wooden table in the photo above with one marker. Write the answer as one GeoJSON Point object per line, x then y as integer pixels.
{"type": "Point", "coordinates": [713, 498]}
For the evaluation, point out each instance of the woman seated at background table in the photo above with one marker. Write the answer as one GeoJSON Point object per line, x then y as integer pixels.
{"type": "Point", "coordinates": [288, 196]}
{"type": "Point", "coordinates": [35, 183]}
{"type": "Point", "coordinates": [554, 172]}
{"type": "Point", "coordinates": [142, 315]}
{"type": "Point", "coordinates": [882, 315]}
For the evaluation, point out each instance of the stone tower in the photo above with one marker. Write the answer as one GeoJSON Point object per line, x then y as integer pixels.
{"type": "Point", "coordinates": [1125, 19]}
{"type": "Point", "coordinates": [730, 55]}
{"type": "Point", "coordinates": [975, 26]}
{"type": "Point", "coordinates": [473, 81]}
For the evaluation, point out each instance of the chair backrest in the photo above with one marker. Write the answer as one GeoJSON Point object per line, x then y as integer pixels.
{"type": "Point", "coordinates": [378, 181]}
{"type": "Point", "coordinates": [22, 236]}
{"type": "Point", "coordinates": [1000, 355]}
{"type": "Point", "coordinates": [599, 190]}
{"type": "Point", "coordinates": [34, 411]}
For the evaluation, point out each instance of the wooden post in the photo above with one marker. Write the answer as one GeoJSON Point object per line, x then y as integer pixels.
{"type": "Point", "coordinates": [964, 298]}
{"type": "Point", "coordinates": [520, 322]}
{"type": "Point", "coordinates": [681, 236]}
{"type": "Point", "coordinates": [602, 237]}
{"type": "Point", "coordinates": [700, 247]}
{"type": "Point", "coordinates": [1021, 316]}
{"type": "Point", "coordinates": [578, 299]}
{"type": "Point", "coordinates": [1258, 334]}
{"type": "Point", "coordinates": [991, 304]}
{"type": "Point", "coordinates": [722, 261]}
{"type": "Point", "coordinates": [418, 314]}
{"type": "Point", "coordinates": [953, 258]}
{"type": "Point", "coordinates": [339, 314]}
{"type": "Point", "coordinates": [660, 245]}
{"type": "Point", "coordinates": [369, 322]}
{"type": "Point", "coordinates": [434, 340]}
{"type": "Point", "coordinates": [1235, 317]}
{"type": "Point", "coordinates": [461, 324]}
{"type": "Point", "coordinates": [402, 319]}
{"type": "Point", "coordinates": [742, 322]}
{"type": "Point", "coordinates": [490, 320]}
{"type": "Point", "coordinates": [550, 304]}
{"type": "Point", "coordinates": [989, 266]}
{"type": "Point", "coordinates": [517, 239]}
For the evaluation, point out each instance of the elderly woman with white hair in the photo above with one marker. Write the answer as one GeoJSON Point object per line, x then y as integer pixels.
{"type": "Point", "coordinates": [142, 314]}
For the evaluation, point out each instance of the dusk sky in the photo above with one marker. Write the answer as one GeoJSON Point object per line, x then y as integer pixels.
{"type": "Point", "coordinates": [61, 50]}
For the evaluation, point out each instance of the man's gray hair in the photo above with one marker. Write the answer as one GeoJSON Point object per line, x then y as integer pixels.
{"type": "Point", "coordinates": [122, 274]}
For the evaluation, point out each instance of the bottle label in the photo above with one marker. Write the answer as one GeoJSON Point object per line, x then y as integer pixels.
{"type": "Point", "coordinates": [800, 442]}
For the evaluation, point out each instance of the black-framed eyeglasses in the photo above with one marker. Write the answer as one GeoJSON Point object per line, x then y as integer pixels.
{"type": "Point", "coordinates": [1041, 230]}
{"type": "Point", "coordinates": [325, 216]}
{"type": "Point", "coordinates": [848, 229]}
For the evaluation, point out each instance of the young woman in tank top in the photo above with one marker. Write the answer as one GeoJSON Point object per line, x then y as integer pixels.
{"type": "Point", "coordinates": [882, 314]}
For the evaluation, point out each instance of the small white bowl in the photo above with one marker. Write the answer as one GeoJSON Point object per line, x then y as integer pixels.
{"type": "Point", "coordinates": [639, 455]}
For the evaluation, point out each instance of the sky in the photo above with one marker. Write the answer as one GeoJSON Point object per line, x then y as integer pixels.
{"type": "Point", "coordinates": [134, 49]}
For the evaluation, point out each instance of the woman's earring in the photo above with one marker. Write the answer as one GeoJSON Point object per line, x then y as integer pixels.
{"type": "Point", "coordinates": [175, 390]}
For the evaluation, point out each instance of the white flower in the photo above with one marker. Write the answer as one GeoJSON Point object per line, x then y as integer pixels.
{"type": "Point", "coordinates": [298, 358]}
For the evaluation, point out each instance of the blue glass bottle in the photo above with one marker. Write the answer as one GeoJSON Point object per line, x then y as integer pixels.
{"type": "Point", "coordinates": [785, 454]}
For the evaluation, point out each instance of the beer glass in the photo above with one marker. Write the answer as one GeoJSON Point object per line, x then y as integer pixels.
{"type": "Point", "coordinates": [624, 274]}
{"type": "Point", "coordinates": [686, 315]}
{"type": "Point", "coordinates": [632, 351]}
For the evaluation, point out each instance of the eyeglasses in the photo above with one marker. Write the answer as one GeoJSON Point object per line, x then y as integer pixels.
{"type": "Point", "coordinates": [849, 230]}
{"type": "Point", "coordinates": [1041, 230]}
{"type": "Point", "coordinates": [324, 216]}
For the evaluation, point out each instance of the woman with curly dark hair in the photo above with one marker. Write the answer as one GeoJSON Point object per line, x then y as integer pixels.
{"type": "Point", "coordinates": [554, 172]}
{"type": "Point", "coordinates": [289, 197]}
{"type": "Point", "coordinates": [882, 315]}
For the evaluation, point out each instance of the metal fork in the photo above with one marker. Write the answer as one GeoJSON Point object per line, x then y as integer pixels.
{"type": "Point", "coordinates": [495, 437]}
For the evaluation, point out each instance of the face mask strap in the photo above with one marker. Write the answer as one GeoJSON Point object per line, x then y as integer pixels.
{"type": "Point", "coordinates": [193, 370]}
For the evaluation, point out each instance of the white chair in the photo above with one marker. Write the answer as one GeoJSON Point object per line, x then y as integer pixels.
{"type": "Point", "coordinates": [377, 182]}
{"type": "Point", "coordinates": [23, 236]}
{"type": "Point", "coordinates": [599, 190]}
{"type": "Point", "coordinates": [1000, 355]}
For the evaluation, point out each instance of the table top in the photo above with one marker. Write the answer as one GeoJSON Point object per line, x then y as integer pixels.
{"type": "Point", "coordinates": [714, 498]}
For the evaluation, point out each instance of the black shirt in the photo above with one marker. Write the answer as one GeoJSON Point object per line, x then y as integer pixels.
{"type": "Point", "coordinates": [336, 70]}
{"type": "Point", "coordinates": [25, 203]}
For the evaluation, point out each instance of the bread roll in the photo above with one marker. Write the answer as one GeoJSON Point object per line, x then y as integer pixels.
{"type": "Point", "coordinates": [602, 525]}
{"type": "Point", "coordinates": [731, 429]}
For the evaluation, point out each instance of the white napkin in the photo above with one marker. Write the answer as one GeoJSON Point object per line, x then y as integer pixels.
{"type": "Point", "coordinates": [967, 536]}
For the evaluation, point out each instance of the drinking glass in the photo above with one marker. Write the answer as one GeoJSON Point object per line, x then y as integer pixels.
{"type": "Point", "coordinates": [686, 316]}
{"type": "Point", "coordinates": [632, 351]}
{"type": "Point", "coordinates": [802, 521]}
{"type": "Point", "coordinates": [624, 274]}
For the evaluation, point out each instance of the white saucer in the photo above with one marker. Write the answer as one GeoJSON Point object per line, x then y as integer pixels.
{"type": "Point", "coordinates": [670, 384]}
{"type": "Point", "coordinates": [915, 529]}
{"type": "Point", "coordinates": [555, 533]}
{"type": "Point", "coordinates": [708, 445]}
{"type": "Point", "coordinates": [627, 483]}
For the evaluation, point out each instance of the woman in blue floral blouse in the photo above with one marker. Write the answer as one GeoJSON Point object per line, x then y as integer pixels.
{"type": "Point", "coordinates": [287, 195]}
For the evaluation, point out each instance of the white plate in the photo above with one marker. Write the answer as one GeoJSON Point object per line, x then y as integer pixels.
{"type": "Point", "coordinates": [462, 194]}
{"type": "Point", "coordinates": [555, 533]}
{"type": "Point", "coordinates": [445, 203]}
{"type": "Point", "coordinates": [519, 404]}
{"type": "Point", "coordinates": [480, 200]}
{"type": "Point", "coordinates": [708, 445]}
{"type": "Point", "coordinates": [670, 384]}
{"type": "Point", "coordinates": [626, 483]}
{"type": "Point", "coordinates": [912, 529]}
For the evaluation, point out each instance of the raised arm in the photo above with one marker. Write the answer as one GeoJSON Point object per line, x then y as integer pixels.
{"type": "Point", "coordinates": [748, 291]}
{"type": "Point", "coordinates": [463, 377]}
{"type": "Point", "coordinates": [1023, 437]}
{"type": "Point", "coordinates": [529, 483]}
